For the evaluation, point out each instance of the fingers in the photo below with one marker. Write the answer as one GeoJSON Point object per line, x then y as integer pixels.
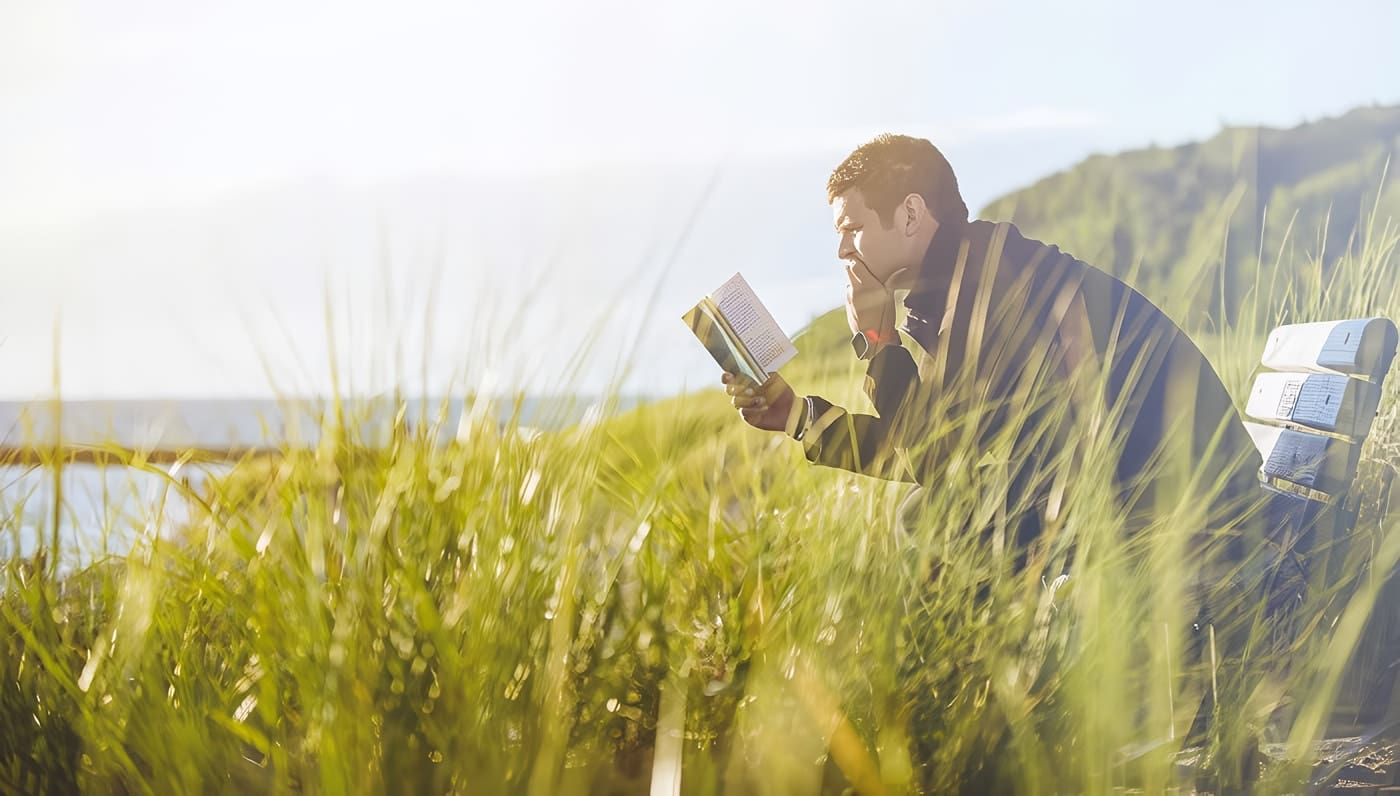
{"type": "Point", "coordinates": [744, 393]}
{"type": "Point", "coordinates": [869, 302]}
{"type": "Point", "coordinates": [748, 399]}
{"type": "Point", "coordinates": [755, 401]}
{"type": "Point", "coordinates": [857, 281]}
{"type": "Point", "coordinates": [756, 404]}
{"type": "Point", "coordinates": [857, 274]}
{"type": "Point", "coordinates": [860, 277]}
{"type": "Point", "coordinates": [737, 383]}
{"type": "Point", "coordinates": [754, 417]}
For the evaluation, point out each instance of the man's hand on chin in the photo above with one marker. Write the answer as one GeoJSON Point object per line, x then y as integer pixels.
{"type": "Point", "coordinates": [768, 406]}
{"type": "Point", "coordinates": [869, 303]}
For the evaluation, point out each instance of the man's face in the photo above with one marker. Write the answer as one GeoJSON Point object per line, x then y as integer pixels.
{"type": "Point", "coordinates": [865, 238]}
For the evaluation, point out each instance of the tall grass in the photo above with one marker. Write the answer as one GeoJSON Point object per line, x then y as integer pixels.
{"type": "Point", "coordinates": [670, 596]}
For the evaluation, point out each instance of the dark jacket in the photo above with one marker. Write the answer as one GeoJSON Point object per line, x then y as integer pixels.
{"type": "Point", "coordinates": [1018, 349]}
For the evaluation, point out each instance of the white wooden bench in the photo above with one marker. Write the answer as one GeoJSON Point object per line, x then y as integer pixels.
{"type": "Point", "coordinates": [1309, 412]}
{"type": "Point", "coordinates": [1311, 408]}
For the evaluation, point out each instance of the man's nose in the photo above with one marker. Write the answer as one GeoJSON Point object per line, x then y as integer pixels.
{"type": "Point", "coordinates": [845, 248]}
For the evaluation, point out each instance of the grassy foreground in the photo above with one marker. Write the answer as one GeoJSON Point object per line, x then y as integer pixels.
{"type": "Point", "coordinates": [665, 596]}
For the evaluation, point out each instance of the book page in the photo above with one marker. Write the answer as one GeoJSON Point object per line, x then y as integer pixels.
{"type": "Point", "coordinates": [752, 322]}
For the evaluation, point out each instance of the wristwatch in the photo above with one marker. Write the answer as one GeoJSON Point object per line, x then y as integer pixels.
{"type": "Point", "coordinates": [867, 342]}
{"type": "Point", "coordinates": [800, 418]}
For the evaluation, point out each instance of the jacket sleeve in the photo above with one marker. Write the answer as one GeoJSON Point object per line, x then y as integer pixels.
{"type": "Point", "coordinates": [867, 444]}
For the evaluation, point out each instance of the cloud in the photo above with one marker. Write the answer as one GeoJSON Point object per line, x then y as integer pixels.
{"type": "Point", "coordinates": [1035, 118]}
{"type": "Point", "coordinates": [946, 132]}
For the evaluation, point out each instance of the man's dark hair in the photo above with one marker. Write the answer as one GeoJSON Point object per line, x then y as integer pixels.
{"type": "Point", "coordinates": [890, 167]}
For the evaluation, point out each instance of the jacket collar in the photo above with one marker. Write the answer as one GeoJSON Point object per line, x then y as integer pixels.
{"type": "Point", "coordinates": [927, 296]}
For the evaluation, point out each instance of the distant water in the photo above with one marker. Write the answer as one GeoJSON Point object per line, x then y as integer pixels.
{"type": "Point", "coordinates": [105, 508]}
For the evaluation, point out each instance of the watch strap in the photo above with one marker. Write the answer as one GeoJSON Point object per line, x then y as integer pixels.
{"type": "Point", "coordinates": [800, 418]}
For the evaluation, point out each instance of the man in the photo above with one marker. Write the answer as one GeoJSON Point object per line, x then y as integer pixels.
{"type": "Point", "coordinates": [1024, 366]}
{"type": "Point", "coordinates": [1003, 327]}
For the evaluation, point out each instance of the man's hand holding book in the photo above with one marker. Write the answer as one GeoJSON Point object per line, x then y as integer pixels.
{"type": "Point", "coordinates": [771, 406]}
{"type": "Point", "coordinates": [749, 346]}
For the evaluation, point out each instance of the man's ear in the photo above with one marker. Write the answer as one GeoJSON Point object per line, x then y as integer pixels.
{"type": "Point", "coordinates": [915, 212]}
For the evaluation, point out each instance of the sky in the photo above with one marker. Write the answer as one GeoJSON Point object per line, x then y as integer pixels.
{"type": "Point", "coordinates": [143, 115]}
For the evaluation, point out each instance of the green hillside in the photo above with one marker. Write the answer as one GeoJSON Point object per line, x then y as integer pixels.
{"type": "Point", "coordinates": [1154, 215]}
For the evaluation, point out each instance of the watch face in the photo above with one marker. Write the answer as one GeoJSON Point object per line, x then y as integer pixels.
{"type": "Point", "coordinates": [861, 344]}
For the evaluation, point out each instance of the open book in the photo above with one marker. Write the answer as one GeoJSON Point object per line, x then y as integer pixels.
{"type": "Point", "coordinates": [739, 332]}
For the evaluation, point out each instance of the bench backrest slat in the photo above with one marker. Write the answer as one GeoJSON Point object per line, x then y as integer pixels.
{"type": "Point", "coordinates": [1356, 347]}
